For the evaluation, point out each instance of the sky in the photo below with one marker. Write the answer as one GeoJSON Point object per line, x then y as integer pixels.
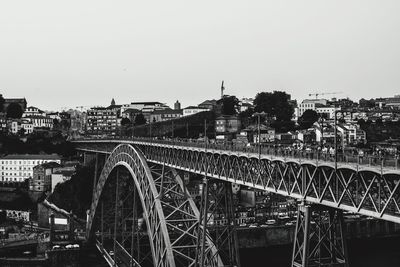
{"type": "Point", "coordinates": [73, 53]}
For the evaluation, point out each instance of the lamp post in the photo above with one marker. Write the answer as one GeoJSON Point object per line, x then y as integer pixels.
{"type": "Point", "coordinates": [259, 114]}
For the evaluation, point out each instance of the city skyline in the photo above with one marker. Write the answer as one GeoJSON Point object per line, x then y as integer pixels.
{"type": "Point", "coordinates": [80, 54]}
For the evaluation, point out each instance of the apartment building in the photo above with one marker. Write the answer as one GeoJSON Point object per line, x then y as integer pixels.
{"type": "Point", "coordinates": [18, 168]}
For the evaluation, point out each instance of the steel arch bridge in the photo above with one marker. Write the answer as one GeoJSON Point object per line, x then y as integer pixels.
{"type": "Point", "coordinates": [361, 189]}
{"type": "Point", "coordinates": [171, 215]}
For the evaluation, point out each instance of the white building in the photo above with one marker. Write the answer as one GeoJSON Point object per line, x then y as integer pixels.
{"type": "Point", "coordinates": [146, 107]}
{"type": "Point", "coordinates": [310, 104]}
{"type": "Point", "coordinates": [33, 111]}
{"type": "Point", "coordinates": [193, 110]}
{"type": "Point", "coordinates": [40, 121]}
{"type": "Point", "coordinates": [318, 105]}
{"type": "Point", "coordinates": [352, 134]}
{"type": "Point", "coordinates": [328, 111]}
{"type": "Point", "coordinates": [16, 125]}
{"type": "Point", "coordinates": [18, 215]}
{"type": "Point", "coordinates": [27, 126]}
{"type": "Point", "coordinates": [18, 168]}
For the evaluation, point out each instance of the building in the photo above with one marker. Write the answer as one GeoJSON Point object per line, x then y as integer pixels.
{"type": "Point", "coordinates": [18, 215]}
{"type": "Point", "coordinates": [267, 134]}
{"type": "Point", "coordinates": [62, 218]}
{"type": "Point", "coordinates": [306, 136]}
{"type": "Point", "coordinates": [33, 111]}
{"type": "Point", "coordinates": [208, 104]}
{"type": "Point", "coordinates": [320, 106]}
{"type": "Point", "coordinates": [40, 121]}
{"type": "Point", "coordinates": [388, 102]}
{"type": "Point", "coordinates": [245, 104]}
{"type": "Point", "coordinates": [145, 107]}
{"type": "Point", "coordinates": [15, 126]}
{"type": "Point", "coordinates": [227, 126]}
{"type": "Point", "coordinates": [165, 115]}
{"type": "Point", "coordinates": [77, 121]}
{"type": "Point", "coordinates": [177, 105]}
{"type": "Point", "coordinates": [352, 134]}
{"type": "Point", "coordinates": [130, 113]}
{"type": "Point", "coordinates": [41, 178]}
{"type": "Point", "coordinates": [193, 110]}
{"type": "Point", "coordinates": [327, 111]}
{"type": "Point", "coordinates": [3, 123]}
{"type": "Point", "coordinates": [18, 168]}
{"type": "Point", "coordinates": [326, 135]}
{"type": "Point", "coordinates": [102, 120]}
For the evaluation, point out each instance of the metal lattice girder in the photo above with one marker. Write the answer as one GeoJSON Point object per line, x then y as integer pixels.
{"type": "Point", "coordinates": [217, 206]}
{"type": "Point", "coordinates": [170, 214]}
{"type": "Point", "coordinates": [368, 191]}
{"type": "Point", "coordinates": [319, 238]}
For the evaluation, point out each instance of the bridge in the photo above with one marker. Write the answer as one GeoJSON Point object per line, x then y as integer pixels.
{"type": "Point", "coordinates": [143, 177]}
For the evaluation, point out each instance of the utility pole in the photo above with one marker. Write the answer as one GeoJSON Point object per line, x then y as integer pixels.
{"type": "Point", "coordinates": [150, 129]}
{"type": "Point", "coordinates": [172, 134]}
{"type": "Point", "coordinates": [205, 133]}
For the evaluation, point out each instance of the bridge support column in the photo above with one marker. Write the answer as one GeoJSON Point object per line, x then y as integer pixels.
{"type": "Point", "coordinates": [319, 237]}
{"type": "Point", "coordinates": [218, 217]}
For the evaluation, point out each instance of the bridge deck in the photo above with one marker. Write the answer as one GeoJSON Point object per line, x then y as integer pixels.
{"type": "Point", "coordinates": [361, 186]}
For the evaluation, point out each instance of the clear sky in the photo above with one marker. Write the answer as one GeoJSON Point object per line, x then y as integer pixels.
{"type": "Point", "coordinates": [81, 52]}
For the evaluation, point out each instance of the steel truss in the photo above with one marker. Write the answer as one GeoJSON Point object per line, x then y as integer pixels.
{"type": "Point", "coordinates": [170, 214]}
{"type": "Point", "coordinates": [319, 238]}
{"type": "Point", "coordinates": [363, 191]}
{"type": "Point", "coordinates": [217, 206]}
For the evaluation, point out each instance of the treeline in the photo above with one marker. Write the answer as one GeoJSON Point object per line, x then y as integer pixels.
{"type": "Point", "coordinates": [380, 131]}
{"type": "Point", "coordinates": [36, 144]}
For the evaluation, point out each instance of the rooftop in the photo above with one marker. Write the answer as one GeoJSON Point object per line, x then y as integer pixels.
{"type": "Point", "coordinates": [48, 165]}
{"type": "Point", "coordinates": [131, 110]}
{"type": "Point", "coordinates": [195, 107]}
{"type": "Point", "coordinates": [167, 111]}
{"type": "Point", "coordinates": [146, 103]}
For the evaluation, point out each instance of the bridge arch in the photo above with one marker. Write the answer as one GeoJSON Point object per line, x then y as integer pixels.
{"type": "Point", "coordinates": [162, 247]}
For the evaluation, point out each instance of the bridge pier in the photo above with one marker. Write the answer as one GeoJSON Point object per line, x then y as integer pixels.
{"type": "Point", "coordinates": [319, 237]}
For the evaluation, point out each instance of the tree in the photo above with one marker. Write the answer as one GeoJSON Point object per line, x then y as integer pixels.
{"type": "Point", "coordinates": [246, 117]}
{"type": "Point", "coordinates": [140, 119]}
{"type": "Point", "coordinates": [125, 122]}
{"type": "Point", "coordinates": [14, 111]}
{"type": "Point", "coordinates": [275, 104]}
{"type": "Point", "coordinates": [55, 123]}
{"type": "Point", "coordinates": [361, 122]}
{"type": "Point", "coordinates": [2, 101]}
{"type": "Point", "coordinates": [308, 118]}
{"type": "Point", "coordinates": [229, 105]}
{"type": "Point", "coordinates": [21, 132]}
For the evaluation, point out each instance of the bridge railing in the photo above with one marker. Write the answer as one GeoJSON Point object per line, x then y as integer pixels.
{"type": "Point", "coordinates": [273, 150]}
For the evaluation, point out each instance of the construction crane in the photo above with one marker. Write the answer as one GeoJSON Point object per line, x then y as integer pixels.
{"type": "Point", "coordinates": [319, 94]}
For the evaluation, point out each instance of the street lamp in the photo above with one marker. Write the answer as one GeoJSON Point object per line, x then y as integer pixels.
{"type": "Point", "coordinates": [259, 114]}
